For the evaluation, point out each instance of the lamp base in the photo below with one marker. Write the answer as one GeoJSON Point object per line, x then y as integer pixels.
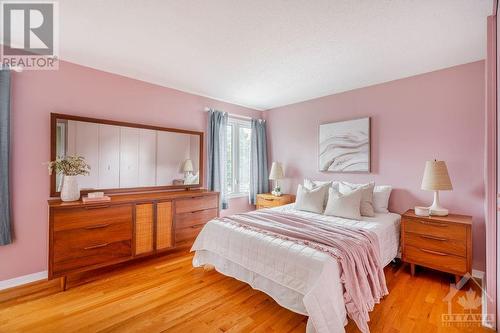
{"type": "Point", "coordinates": [436, 208]}
{"type": "Point", "coordinates": [277, 190]}
{"type": "Point", "coordinates": [438, 212]}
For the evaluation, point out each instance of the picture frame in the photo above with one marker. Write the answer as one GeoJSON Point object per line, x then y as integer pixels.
{"type": "Point", "coordinates": [345, 146]}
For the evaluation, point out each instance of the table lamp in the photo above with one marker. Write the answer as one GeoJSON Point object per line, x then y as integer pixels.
{"type": "Point", "coordinates": [436, 179]}
{"type": "Point", "coordinates": [187, 168]}
{"type": "Point", "coordinates": [276, 174]}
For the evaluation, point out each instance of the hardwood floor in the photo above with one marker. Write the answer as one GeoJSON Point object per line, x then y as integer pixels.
{"type": "Point", "coordinates": [167, 294]}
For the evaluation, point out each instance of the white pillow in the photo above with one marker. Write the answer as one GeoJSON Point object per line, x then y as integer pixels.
{"type": "Point", "coordinates": [381, 195]}
{"type": "Point", "coordinates": [312, 184]}
{"type": "Point", "coordinates": [311, 200]}
{"type": "Point", "coordinates": [344, 205]}
{"type": "Point", "coordinates": [367, 196]}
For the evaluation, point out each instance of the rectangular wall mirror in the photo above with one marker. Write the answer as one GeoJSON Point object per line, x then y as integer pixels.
{"type": "Point", "coordinates": [126, 157]}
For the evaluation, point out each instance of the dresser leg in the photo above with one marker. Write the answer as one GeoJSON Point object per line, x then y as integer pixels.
{"type": "Point", "coordinates": [412, 269]}
{"type": "Point", "coordinates": [457, 279]}
{"type": "Point", "coordinates": [63, 283]}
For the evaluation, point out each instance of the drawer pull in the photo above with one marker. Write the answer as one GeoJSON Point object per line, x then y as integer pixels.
{"type": "Point", "coordinates": [96, 246]}
{"type": "Point", "coordinates": [436, 224]}
{"type": "Point", "coordinates": [434, 238]}
{"type": "Point", "coordinates": [197, 211]}
{"type": "Point", "coordinates": [97, 226]}
{"type": "Point", "coordinates": [434, 252]}
{"type": "Point", "coordinates": [97, 207]}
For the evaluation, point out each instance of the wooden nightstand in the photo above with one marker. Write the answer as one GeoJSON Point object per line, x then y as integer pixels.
{"type": "Point", "coordinates": [443, 243]}
{"type": "Point", "coordinates": [267, 200]}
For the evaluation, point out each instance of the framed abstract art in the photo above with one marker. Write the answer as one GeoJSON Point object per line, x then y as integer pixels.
{"type": "Point", "coordinates": [344, 146]}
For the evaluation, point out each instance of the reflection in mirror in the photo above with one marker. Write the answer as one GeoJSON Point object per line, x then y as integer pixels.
{"type": "Point", "coordinates": [128, 157]}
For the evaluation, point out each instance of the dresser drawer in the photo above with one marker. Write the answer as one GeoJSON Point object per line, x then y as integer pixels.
{"type": "Point", "coordinates": [69, 243]}
{"type": "Point", "coordinates": [65, 219]}
{"type": "Point", "coordinates": [195, 204]}
{"type": "Point", "coordinates": [440, 244]}
{"type": "Point", "coordinates": [93, 255]}
{"type": "Point", "coordinates": [436, 228]}
{"type": "Point", "coordinates": [186, 236]}
{"type": "Point", "coordinates": [435, 259]}
{"type": "Point", "coordinates": [190, 219]}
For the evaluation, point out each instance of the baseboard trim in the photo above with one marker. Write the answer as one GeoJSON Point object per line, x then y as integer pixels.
{"type": "Point", "coordinates": [21, 280]}
{"type": "Point", "coordinates": [477, 274]}
{"type": "Point", "coordinates": [485, 322]}
{"type": "Point", "coordinates": [480, 275]}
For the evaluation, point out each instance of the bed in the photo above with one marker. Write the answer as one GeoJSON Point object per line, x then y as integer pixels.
{"type": "Point", "coordinates": [294, 275]}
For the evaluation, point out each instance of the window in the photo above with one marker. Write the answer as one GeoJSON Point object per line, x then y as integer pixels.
{"type": "Point", "coordinates": [238, 157]}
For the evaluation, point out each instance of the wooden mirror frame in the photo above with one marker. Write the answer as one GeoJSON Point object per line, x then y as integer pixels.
{"type": "Point", "coordinates": [53, 149]}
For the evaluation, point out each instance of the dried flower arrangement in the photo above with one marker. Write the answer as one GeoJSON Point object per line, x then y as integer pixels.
{"type": "Point", "coordinates": [69, 166]}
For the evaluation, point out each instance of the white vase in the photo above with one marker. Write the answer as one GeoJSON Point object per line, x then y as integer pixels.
{"type": "Point", "coordinates": [70, 190]}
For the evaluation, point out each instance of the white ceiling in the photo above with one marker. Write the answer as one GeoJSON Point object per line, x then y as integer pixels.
{"type": "Point", "coordinates": [269, 53]}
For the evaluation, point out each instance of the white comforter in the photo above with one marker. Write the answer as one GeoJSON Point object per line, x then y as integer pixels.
{"type": "Point", "coordinates": [285, 270]}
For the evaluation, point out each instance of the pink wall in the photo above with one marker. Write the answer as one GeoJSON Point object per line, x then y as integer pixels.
{"type": "Point", "coordinates": [434, 115]}
{"type": "Point", "coordinates": [439, 114]}
{"type": "Point", "coordinates": [81, 91]}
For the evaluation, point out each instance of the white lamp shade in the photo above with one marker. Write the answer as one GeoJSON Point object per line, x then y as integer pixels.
{"type": "Point", "coordinates": [276, 171]}
{"type": "Point", "coordinates": [436, 177]}
{"type": "Point", "coordinates": [188, 166]}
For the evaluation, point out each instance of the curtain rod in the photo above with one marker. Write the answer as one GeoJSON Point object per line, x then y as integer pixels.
{"type": "Point", "coordinates": [233, 115]}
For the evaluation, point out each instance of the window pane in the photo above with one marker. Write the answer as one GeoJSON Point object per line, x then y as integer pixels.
{"type": "Point", "coordinates": [244, 158]}
{"type": "Point", "coordinates": [229, 159]}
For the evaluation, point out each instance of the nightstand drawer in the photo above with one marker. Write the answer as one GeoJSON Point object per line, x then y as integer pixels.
{"type": "Point", "coordinates": [268, 201]}
{"type": "Point", "coordinates": [440, 244]}
{"type": "Point", "coordinates": [435, 259]}
{"type": "Point", "coordinates": [436, 228]}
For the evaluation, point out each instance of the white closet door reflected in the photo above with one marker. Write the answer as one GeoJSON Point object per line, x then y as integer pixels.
{"type": "Point", "coordinates": [109, 156]}
{"type": "Point", "coordinates": [83, 140]}
{"type": "Point", "coordinates": [129, 157]}
{"type": "Point", "coordinates": [147, 157]}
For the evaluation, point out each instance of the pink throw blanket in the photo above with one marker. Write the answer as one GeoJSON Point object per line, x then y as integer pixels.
{"type": "Point", "coordinates": [356, 251]}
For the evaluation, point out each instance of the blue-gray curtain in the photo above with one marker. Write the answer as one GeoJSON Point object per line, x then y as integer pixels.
{"type": "Point", "coordinates": [5, 227]}
{"type": "Point", "coordinates": [259, 182]}
{"type": "Point", "coordinates": [216, 150]}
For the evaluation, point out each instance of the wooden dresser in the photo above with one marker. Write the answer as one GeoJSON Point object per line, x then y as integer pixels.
{"type": "Point", "coordinates": [83, 237]}
{"type": "Point", "coordinates": [443, 243]}
{"type": "Point", "coordinates": [267, 200]}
